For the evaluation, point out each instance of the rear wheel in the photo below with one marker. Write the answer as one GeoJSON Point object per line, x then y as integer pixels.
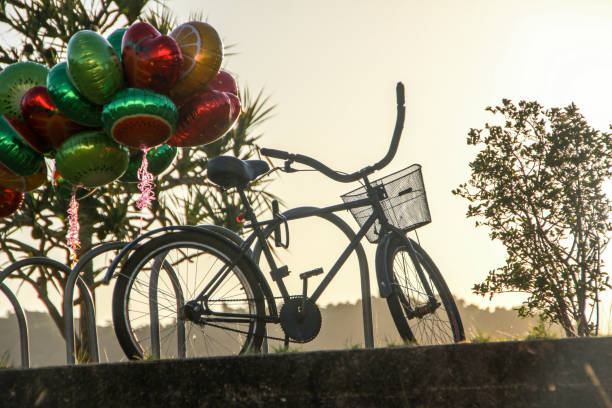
{"type": "Point", "coordinates": [156, 309]}
{"type": "Point", "coordinates": [421, 316]}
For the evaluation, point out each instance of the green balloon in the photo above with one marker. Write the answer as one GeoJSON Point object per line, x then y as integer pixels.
{"type": "Point", "coordinates": [91, 159]}
{"type": "Point", "coordinates": [140, 118]}
{"type": "Point", "coordinates": [15, 153]}
{"type": "Point", "coordinates": [69, 100]}
{"type": "Point", "coordinates": [159, 159]}
{"type": "Point", "coordinates": [94, 66]}
{"type": "Point", "coordinates": [116, 38]}
{"type": "Point", "coordinates": [15, 81]}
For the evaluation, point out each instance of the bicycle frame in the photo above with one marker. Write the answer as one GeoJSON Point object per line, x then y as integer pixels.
{"type": "Point", "coordinates": [258, 235]}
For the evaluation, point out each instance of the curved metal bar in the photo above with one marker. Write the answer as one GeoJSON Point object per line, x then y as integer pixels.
{"type": "Point", "coordinates": [366, 301]}
{"type": "Point", "coordinates": [84, 289]}
{"type": "Point", "coordinates": [232, 236]}
{"type": "Point", "coordinates": [23, 325]}
{"type": "Point", "coordinates": [160, 262]}
{"type": "Point", "coordinates": [153, 312]}
{"type": "Point", "coordinates": [69, 295]}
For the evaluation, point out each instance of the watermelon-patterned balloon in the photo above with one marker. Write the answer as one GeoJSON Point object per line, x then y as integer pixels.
{"type": "Point", "coordinates": [140, 118]}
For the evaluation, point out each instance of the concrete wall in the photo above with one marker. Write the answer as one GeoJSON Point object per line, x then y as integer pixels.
{"type": "Point", "coordinates": [556, 373]}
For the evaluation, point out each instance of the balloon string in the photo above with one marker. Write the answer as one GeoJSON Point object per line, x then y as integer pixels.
{"type": "Point", "coordinates": [146, 185]}
{"type": "Point", "coordinates": [73, 230]}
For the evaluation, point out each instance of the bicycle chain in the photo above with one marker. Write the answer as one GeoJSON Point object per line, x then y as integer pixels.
{"type": "Point", "coordinates": [246, 332]}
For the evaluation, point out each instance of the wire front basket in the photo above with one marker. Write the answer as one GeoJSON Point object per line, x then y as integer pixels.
{"type": "Point", "coordinates": [403, 200]}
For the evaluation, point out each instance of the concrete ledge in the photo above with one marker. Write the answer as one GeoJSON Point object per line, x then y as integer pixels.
{"type": "Point", "coordinates": [551, 373]}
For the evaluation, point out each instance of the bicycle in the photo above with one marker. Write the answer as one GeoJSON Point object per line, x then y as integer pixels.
{"type": "Point", "coordinates": [201, 291]}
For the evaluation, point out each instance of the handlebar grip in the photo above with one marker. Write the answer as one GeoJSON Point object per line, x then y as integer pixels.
{"type": "Point", "coordinates": [399, 90]}
{"type": "Point", "coordinates": [278, 154]}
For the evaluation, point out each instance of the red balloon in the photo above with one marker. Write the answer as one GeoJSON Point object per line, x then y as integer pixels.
{"type": "Point", "coordinates": [203, 119]}
{"type": "Point", "coordinates": [223, 82]}
{"type": "Point", "coordinates": [51, 127]}
{"type": "Point", "coordinates": [236, 108]}
{"type": "Point", "coordinates": [150, 59]}
{"type": "Point", "coordinates": [10, 201]}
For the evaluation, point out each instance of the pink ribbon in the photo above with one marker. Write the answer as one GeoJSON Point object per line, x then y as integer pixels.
{"type": "Point", "coordinates": [146, 185]}
{"type": "Point", "coordinates": [73, 224]}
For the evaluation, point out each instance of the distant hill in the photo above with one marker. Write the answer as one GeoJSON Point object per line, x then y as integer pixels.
{"type": "Point", "coordinates": [342, 328]}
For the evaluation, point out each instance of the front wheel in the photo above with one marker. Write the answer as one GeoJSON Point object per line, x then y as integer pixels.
{"type": "Point", "coordinates": [423, 310]}
{"type": "Point", "coordinates": [157, 308]}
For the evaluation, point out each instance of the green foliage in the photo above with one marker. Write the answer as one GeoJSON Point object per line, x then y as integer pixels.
{"type": "Point", "coordinates": [540, 331]}
{"type": "Point", "coordinates": [45, 26]}
{"type": "Point", "coordinates": [536, 183]}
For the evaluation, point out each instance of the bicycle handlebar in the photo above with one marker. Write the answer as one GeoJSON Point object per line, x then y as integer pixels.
{"type": "Point", "coordinates": [347, 178]}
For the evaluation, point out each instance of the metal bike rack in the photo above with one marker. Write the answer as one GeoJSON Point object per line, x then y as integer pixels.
{"type": "Point", "coordinates": [84, 289]}
{"type": "Point", "coordinates": [74, 278]}
{"type": "Point", "coordinates": [124, 248]}
{"type": "Point", "coordinates": [153, 312]}
{"type": "Point", "coordinates": [23, 325]}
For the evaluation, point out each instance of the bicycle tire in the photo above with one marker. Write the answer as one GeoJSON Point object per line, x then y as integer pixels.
{"type": "Point", "coordinates": [440, 326]}
{"type": "Point", "coordinates": [239, 292]}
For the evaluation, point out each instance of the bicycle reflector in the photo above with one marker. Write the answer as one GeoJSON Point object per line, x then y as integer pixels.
{"type": "Point", "coordinates": [240, 218]}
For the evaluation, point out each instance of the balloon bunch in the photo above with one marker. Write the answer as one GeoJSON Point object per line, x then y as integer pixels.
{"type": "Point", "coordinates": [117, 109]}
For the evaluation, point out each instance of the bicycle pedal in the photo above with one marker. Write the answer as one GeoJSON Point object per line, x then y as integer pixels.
{"type": "Point", "coordinates": [280, 273]}
{"type": "Point", "coordinates": [312, 273]}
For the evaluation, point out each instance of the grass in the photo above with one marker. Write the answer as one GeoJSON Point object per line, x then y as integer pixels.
{"type": "Point", "coordinates": [5, 360]}
{"type": "Point", "coordinates": [540, 331]}
{"type": "Point", "coordinates": [285, 349]}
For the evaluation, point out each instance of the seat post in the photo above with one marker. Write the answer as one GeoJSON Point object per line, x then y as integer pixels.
{"type": "Point", "coordinates": [250, 214]}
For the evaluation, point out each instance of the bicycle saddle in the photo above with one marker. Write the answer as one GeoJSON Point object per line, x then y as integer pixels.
{"type": "Point", "coordinates": [228, 171]}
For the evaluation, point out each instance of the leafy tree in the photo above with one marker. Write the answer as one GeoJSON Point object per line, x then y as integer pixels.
{"type": "Point", "coordinates": [536, 183]}
{"type": "Point", "coordinates": [42, 29]}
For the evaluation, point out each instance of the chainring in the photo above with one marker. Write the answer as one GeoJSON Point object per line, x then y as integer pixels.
{"type": "Point", "coordinates": [300, 319]}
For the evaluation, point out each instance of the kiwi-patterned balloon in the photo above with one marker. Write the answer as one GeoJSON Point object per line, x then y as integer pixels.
{"type": "Point", "coordinates": [69, 100]}
{"type": "Point", "coordinates": [64, 189]}
{"type": "Point", "coordinates": [140, 118]}
{"type": "Point", "coordinates": [15, 153]}
{"type": "Point", "coordinates": [94, 66]}
{"type": "Point", "coordinates": [91, 159]}
{"type": "Point", "coordinates": [15, 81]}
{"type": "Point", "coordinates": [159, 159]}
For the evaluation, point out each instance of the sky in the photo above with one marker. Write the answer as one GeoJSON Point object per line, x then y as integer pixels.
{"type": "Point", "coordinates": [330, 67]}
